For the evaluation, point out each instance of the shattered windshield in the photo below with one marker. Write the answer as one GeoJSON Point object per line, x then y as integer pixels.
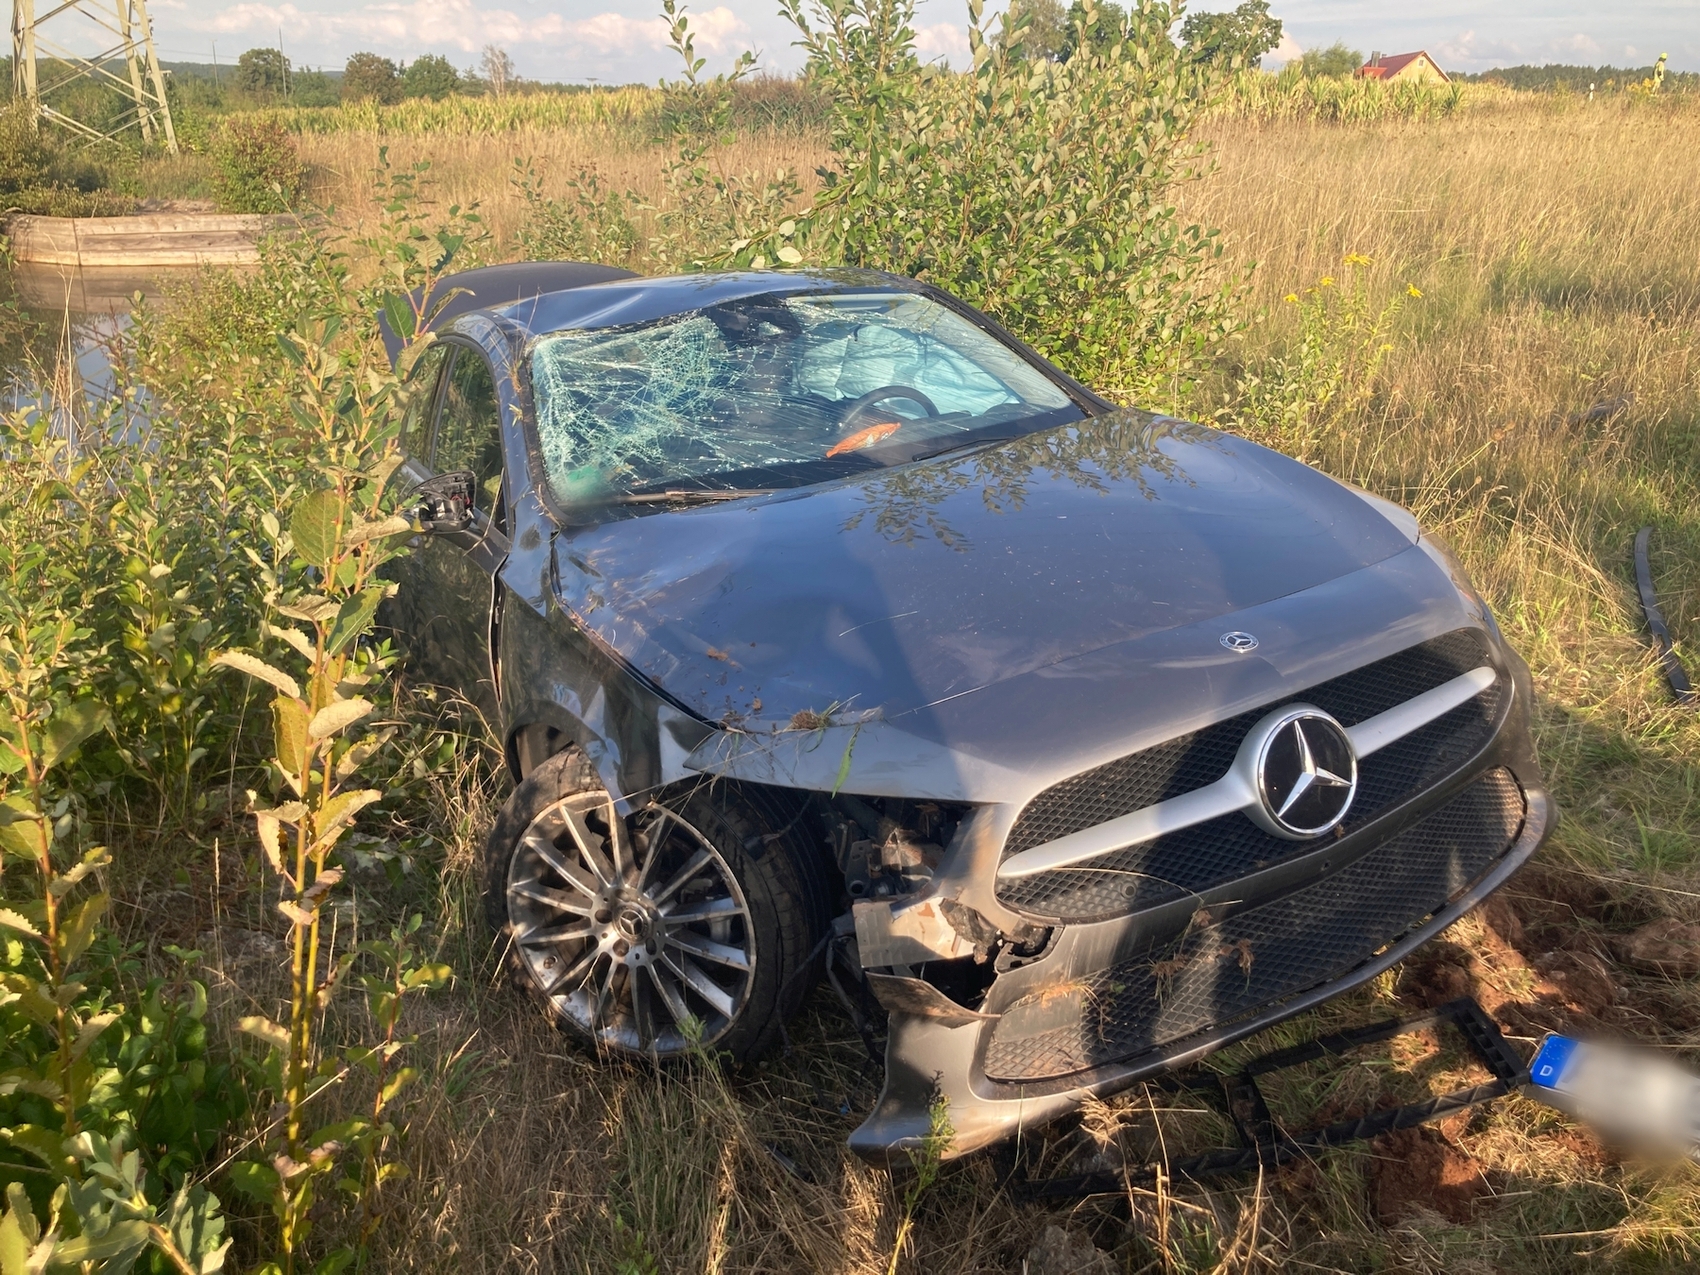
{"type": "Point", "coordinates": [775, 391]}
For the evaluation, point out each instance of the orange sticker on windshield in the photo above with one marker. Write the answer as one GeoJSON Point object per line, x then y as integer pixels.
{"type": "Point", "coordinates": [865, 438]}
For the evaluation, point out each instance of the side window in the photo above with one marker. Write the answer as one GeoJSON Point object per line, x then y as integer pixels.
{"type": "Point", "coordinates": [469, 429]}
{"type": "Point", "coordinates": [418, 396]}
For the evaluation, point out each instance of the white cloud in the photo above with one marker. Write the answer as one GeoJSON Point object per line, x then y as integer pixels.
{"type": "Point", "coordinates": [1466, 51]}
{"type": "Point", "coordinates": [1286, 51]}
{"type": "Point", "coordinates": [947, 40]}
{"type": "Point", "coordinates": [460, 24]}
{"type": "Point", "coordinates": [1584, 45]}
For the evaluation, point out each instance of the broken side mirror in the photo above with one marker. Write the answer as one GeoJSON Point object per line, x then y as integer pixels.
{"type": "Point", "coordinates": [445, 501]}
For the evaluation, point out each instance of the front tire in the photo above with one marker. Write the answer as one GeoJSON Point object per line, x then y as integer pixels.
{"type": "Point", "coordinates": [687, 922]}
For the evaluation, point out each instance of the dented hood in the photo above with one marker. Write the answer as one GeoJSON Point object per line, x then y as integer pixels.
{"type": "Point", "coordinates": [897, 592]}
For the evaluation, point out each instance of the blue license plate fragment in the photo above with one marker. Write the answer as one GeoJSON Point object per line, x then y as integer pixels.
{"type": "Point", "coordinates": [1628, 1095]}
{"type": "Point", "coordinates": [1551, 1059]}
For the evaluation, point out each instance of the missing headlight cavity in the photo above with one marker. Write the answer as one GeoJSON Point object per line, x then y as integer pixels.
{"type": "Point", "coordinates": [887, 846]}
{"type": "Point", "coordinates": [920, 945]}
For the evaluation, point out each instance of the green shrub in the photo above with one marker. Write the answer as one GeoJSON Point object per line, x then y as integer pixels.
{"type": "Point", "coordinates": [430, 75]}
{"type": "Point", "coordinates": [371, 76]}
{"type": "Point", "coordinates": [141, 554]}
{"type": "Point", "coordinates": [1042, 192]}
{"type": "Point", "coordinates": [257, 168]}
{"type": "Point", "coordinates": [65, 201]}
{"type": "Point", "coordinates": [37, 176]}
{"type": "Point", "coordinates": [25, 157]}
{"type": "Point", "coordinates": [594, 225]}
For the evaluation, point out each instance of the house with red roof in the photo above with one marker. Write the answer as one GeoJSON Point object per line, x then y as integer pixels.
{"type": "Point", "coordinates": [1410, 68]}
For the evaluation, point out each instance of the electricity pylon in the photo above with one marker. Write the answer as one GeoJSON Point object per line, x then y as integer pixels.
{"type": "Point", "coordinates": [141, 81]}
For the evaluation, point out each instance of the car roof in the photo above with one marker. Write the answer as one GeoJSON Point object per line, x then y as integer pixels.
{"type": "Point", "coordinates": [493, 287]}
{"type": "Point", "coordinates": [621, 302]}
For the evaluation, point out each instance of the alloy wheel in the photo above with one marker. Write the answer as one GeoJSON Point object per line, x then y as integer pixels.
{"type": "Point", "coordinates": [635, 927]}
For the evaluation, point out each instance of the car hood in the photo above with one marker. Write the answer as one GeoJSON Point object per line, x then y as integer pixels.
{"type": "Point", "coordinates": [887, 595]}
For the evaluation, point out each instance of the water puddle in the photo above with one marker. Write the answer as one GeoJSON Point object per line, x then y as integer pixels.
{"type": "Point", "coordinates": [59, 327]}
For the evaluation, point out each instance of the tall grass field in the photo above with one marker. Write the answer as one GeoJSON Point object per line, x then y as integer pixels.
{"type": "Point", "coordinates": [1536, 405]}
{"type": "Point", "coordinates": [1484, 305]}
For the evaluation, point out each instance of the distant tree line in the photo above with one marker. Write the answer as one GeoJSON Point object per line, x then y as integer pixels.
{"type": "Point", "coordinates": [265, 77]}
{"type": "Point", "coordinates": [1579, 79]}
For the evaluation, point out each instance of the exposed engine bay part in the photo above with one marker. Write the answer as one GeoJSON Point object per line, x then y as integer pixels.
{"type": "Point", "coordinates": [888, 851]}
{"type": "Point", "coordinates": [909, 934]}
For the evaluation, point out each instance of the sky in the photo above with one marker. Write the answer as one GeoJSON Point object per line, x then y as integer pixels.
{"type": "Point", "coordinates": [621, 41]}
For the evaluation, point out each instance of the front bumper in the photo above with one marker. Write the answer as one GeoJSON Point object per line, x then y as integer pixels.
{"type": "Point", "coordinates": [1113, 1002]}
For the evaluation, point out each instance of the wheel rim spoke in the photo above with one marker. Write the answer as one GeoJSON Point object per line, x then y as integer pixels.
{"type": "Point", "coordinates": [643, 1009]}
{"type": "Point", "coordinates": [657, 840]}
{"type": "Point", "coordinates": [669, 996]}
{"type": "Point", "coordinates": [705, 910]}
{"type": "Point", "coordinates": [589, 846]}
{"type": "Point", "coordinates": [682, 878]}
{"type": "Point", "coordinates": [604, 994]}
{"type": "Point", "coordinates": [575, 876]}
{"type": "Point", "coordinates": [559, 900]}
{"type": "Point", "coordinates": [703, 985]}
{"type": "Point", "coordinates": [573, 973]}
{"type": "Point", "coordinates": [543, 846]}
{"type": "Point", "coordinates": [619, 844]}
{"type": "Point", "coordinates": [555, 934]}
{"type": "Point", "coordinates": [708, 949]}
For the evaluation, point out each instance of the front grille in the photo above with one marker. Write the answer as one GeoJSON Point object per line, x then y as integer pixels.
{"type": "Point", "coordinates": [1222, 849]}
{"type": "Point", "coordinates": [1264, 955]}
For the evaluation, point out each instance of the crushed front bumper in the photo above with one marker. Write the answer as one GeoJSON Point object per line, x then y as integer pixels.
{"type": "Point", "coordinates": [1116, 1000]}
{"type": "Point", "coordinates": [927, 1059]}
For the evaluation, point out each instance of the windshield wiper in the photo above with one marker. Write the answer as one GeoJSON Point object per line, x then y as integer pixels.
{"type": "Point", "coordinates": [689, 495]}
{"type": "Point", "coordinates": [962, 443]}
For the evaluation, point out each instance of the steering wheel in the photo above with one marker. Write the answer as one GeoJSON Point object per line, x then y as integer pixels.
{"type": "Point", "coordinates": [884, 392]}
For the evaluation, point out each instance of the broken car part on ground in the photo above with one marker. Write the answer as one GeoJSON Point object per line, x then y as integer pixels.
{"type": "Point", "coordinates": [814, 610]}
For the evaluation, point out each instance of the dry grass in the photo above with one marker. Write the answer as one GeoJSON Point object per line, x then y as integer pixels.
{"type": "Point", "coordinates": [471, 169]}
{"type": "Point", "coordinates": [1556, 251]}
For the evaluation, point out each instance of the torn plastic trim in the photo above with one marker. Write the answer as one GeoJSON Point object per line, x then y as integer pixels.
{"type": "Point", "coordinates": [903, 995]}
{"type": "Point", "coordinates": [1237, 790]}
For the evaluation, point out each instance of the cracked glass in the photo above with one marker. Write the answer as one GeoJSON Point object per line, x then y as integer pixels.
{"type": "Point", "coordinates": [775, 391]}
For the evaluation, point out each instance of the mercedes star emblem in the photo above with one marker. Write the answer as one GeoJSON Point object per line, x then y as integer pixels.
{"type": "Point", "coordinates": [1240, 642]}
{"type": "Point", "coordinates": [1306, 773]}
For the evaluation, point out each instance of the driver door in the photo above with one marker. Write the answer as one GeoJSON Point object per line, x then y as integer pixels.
{"type": "Point", "coordinates": [453, 573]}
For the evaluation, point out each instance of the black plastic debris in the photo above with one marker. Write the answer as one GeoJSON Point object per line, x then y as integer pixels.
{"type": "Point", "coordinates": [1663, 646]}
{"type": "Point", "coordinates": [1262, 1142]}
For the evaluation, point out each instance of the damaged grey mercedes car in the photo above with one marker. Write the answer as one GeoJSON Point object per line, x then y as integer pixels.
{"type": "Point", "coordinates": [822, 621]}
